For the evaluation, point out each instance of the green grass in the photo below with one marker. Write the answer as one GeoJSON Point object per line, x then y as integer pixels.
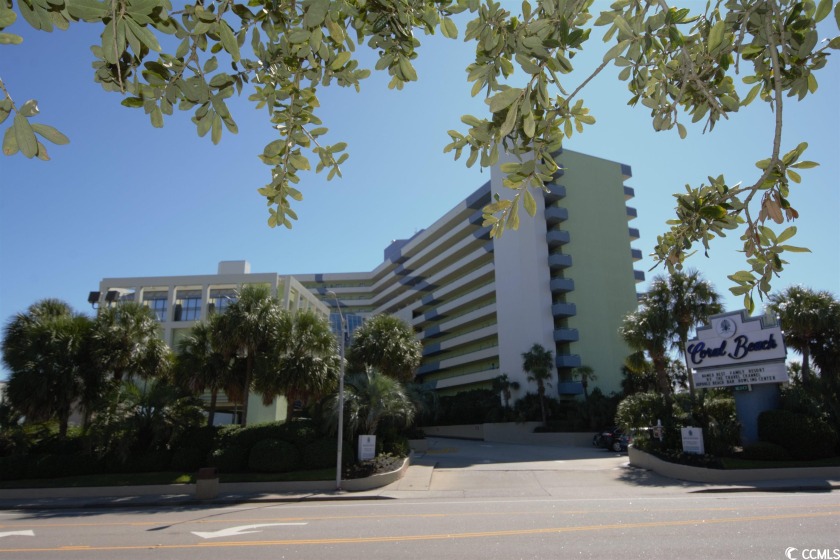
{"type": "Point", "coordinates": [142, 479]}
{"type": "Point", "coordinates": [734, 463]}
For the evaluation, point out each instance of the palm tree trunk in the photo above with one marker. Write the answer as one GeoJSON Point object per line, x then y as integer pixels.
{"type": "Point", "coordinates": [806, 365]}
{"type": "Point", "coordinates": [542, 405]}
{"type": "Point", "coordinates": [211, 412]}
{"type": "Point", "coordinates": [246, 389]}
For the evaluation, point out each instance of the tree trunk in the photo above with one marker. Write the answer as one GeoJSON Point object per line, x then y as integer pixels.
{"type": "Point", "coordinates": [806, 365]}
{"type": "Point", "coordinates": [246, 389]}
{"type": "Point", "coordinates": [542, 405]}
{"type": "Point", "coordinates": [211, 413]}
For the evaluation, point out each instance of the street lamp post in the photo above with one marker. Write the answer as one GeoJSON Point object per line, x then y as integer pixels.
{"type": "Point", "coordinates": [340, 393]}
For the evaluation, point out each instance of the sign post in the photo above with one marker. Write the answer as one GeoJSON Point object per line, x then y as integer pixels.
{"type": "Point", "coordinates": [745, 353]}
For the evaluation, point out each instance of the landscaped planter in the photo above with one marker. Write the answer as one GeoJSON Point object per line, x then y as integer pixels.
{"type": "Point", "coordinates": [725, 476]}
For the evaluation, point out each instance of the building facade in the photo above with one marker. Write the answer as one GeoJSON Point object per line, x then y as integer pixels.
{"type": "Point", "coordinates": [564, 280]}
{"type": "Point", "coordinates": [179, 302]}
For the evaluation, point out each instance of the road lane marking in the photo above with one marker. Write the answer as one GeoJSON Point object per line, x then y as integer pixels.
{"type": "Point", "coordinates": [240, 530]}
{"type": "Point", "coordinates": [29, 533]}
{"type": "Point", "coordinates": [439, 536]}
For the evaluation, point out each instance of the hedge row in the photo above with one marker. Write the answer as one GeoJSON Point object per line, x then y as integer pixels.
{"type": "Point", "coordinates": [272, 447]}
{"type": "Point", "coordinates": [803, 437]}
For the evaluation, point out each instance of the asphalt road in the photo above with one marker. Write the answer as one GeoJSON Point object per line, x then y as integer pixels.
{"type": "Point", "coordinates": [480, 500]}
{"type": "Point", "coordinates": [686, 526]}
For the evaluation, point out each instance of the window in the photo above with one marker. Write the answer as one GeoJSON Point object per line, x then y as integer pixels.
{"type": "Point", "coordinates": [188, 306]}
{"type": "Point", "coordinates": [159, 308]}
{"type": "Point", "coordinates": [221, 299]}
{"type": "Point", "coordinates": [157, 301]}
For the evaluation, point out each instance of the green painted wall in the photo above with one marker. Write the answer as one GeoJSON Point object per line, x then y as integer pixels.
{"type": "Point", "coordinates": [602, 266]}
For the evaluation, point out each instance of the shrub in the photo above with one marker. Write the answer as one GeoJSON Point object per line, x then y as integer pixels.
{"type": "Point", "coordinates": [470, 407]}
{"type": "Point", "coordinates": [153, 461]}
{"type": "Point", "coordinates": [202, 438]}
{"type": "Point", "coordinates": [803, 436]}
{"type": "Point", "coordinates": [14, 467]}
{"type": "Point", "coordinates": [188, 459]}
{"type": "Point", "coordinates": [248, 436]}
{"type": "Point", "coordinates": [229, 459]}
{"type": "Point", "coordinates": [300, 432]}
{"type": "Point", "coordinates": [273, 455]}
{"type": "Point", "coordinates": [765, 451]}
{"type": "Point", "coordinates": [397, 447]}
{"type": "Point", "coordinates": [320, 454]}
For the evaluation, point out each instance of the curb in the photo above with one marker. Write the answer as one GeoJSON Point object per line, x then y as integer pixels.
{"type": "Point", "coordinates": [829, 476]}
{"type": "Point", "coordinates": [183, 495]}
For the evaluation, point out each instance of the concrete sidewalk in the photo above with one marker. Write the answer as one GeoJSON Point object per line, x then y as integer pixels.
{"type": "Point", "coordinates": [449, 469]}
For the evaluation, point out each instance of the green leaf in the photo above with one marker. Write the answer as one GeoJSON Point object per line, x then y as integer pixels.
{"type": "Point", "coordinates": [298, 36]}
{"type": "Point", "coordinates": [10, 145]}
{"type": "Point", "coordinates": [615, 50]}
{"type": "Point", "coordinates": [529, 203]}
{"type": "Point", "coordinates": [340, 60]}
{"type": "Point", "coordinates": [143, 35]}
{"type": "Point", "coordinates": [25, 136]}
{"type": "Point", "coordinates": [528, 125]}
{"type": "Point", "coordinates": [792, 249]}
{"type": "Point", "coordinates": [229, 41]}
{"type": "Point", "coordinates": [448, 28]}
{"type": "Point", "coordinates": [7, 16]}
{"type": "Point", "coordinates": [716, 36]}
{"type": "Point", "coordinates": [510, 121]}
{"type": "Point", "coordinates": [315, 13]}
{"type": "Point", "coordinates": [132, 102]}
{"type": "Point", "coordinates": [216, 129]}
{"type": "Point", "coordinates": [742, 276]}
{"type": "Point", "coordinates": [299, 161]}
{"type": "Point", "coordinates": [823, 9]}
{"type": "Point", "coordinates": [86, 10]}
{"type": "Point", "coordinates": [29, 109]}
{"type": "Point", "coordinates": [408, 72]}
{"type": "Point", "coordinates": [157, 118]}
{"type": "Point", "coordinates": [751, 95]}
{"type": "Point", "coordinates": [805, 164]}
{"type": "Point", "coordinates": [713, 212]}
{"type": "Point", "coordinates": [10, 39]}
{"type": "Point", "coordinates": [786, 234]}
{"type": "Point", "coordinates": [50, 134]}
{"type": "Point", "coordinates": [503, 99]}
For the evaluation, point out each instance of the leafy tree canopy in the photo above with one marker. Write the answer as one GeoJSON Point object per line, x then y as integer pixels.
{"type": "Point", "coordinates": [680, 62]}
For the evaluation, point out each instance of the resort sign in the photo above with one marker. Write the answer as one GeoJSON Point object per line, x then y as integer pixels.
{"type": "Point", "coordinates": [735, 349]}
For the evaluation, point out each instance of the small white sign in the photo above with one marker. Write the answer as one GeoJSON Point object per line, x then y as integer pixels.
{"type": "Point", "coordinates": [692, 440]}
{"type": "Point", "coordinates": [367, 447]}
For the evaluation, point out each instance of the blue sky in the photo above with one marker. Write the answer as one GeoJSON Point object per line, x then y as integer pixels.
{"type": "Point", "coordinates": [125, 199]}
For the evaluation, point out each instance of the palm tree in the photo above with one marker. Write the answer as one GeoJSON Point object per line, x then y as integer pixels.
{"type": "Point", "coordinates": [502, 384]}
{"type": "Point", "coordinates": [387, 344]}
{"type": "Point", "coordinates": [538, 363]}
{"type": "Point", "coordinates": [690, 301]}
{"type": "Point", "coordinates": [247, 329]}
{"type": "Point", "coordinates": [585, 374]}
{"type": "Point", "coordinates": [45, 349]}
{"type": "Point", "coordinates": [371, 398]}
{"type": "Point", "coordinates": [143, 416]}
{"type": "Point", "coordinates": [127, 342]}
{"type": "Point", "coordinates": [302, 363]}
{"type": "Point", "coordinates": [804, 315]}
{"type": "Point", "coordinates": [646, 331]}
{"type": "Point", "coordinates": [201, 366]}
